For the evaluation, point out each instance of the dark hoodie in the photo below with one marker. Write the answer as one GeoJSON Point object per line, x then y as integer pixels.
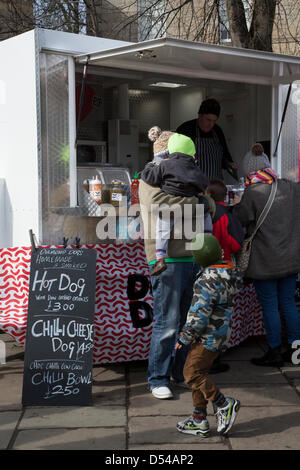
{"type": "Point", "coordinates": [178, 175]}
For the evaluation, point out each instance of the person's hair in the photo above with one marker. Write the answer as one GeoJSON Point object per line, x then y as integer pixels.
{"type": "Point", "coordinates": [210, 106]}
{"type": "Point", "coordinates": [217, 190]}
{"type": "Point", "coordinates": [257, 149]}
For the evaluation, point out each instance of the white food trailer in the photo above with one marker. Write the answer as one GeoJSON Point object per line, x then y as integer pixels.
{"type": "Point", "coordinates": [48, 148]}
{"type": "Point", "coordinates": [129, 88]}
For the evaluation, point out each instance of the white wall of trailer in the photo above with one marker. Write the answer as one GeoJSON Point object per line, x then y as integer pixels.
{"type": "Point", "coordinates": [5, 217]}
{"type": "Point", "coordinates": [20, 126]}
{"type": "Point", "coordinates": [18, 137]}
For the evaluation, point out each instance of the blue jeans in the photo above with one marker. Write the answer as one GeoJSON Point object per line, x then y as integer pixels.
{"type": "Point", "coordinates": [172, 292]}
{"type": "Point", "coordinates": [274, 294]}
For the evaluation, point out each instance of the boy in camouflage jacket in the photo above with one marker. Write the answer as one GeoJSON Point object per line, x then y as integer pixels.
{"type": "Point", "coordinates": [208, 329]}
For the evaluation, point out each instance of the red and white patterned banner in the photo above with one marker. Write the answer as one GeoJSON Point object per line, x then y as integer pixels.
{"type": "Point", "coordinates": [116, 338]}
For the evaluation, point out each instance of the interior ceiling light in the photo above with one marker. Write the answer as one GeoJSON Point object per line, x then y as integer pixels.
{"type": "Point", "coordinates": [167, 84]}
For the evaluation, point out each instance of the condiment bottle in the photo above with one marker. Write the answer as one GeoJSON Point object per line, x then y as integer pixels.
{"type": "Point", "coordinates": [117, 193]}
{"type": "Point", "coordinates": [135, 189]}
{"type": "Point", "coordinates": [106, 190]}
{"type": "Point", "coordinates": [86, 185]}
{"type": "Point", "coordinates": [95, 189]}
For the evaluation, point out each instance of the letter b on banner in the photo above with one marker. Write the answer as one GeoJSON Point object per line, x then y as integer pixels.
{"type": "Point", "coordinates": [136, 305]}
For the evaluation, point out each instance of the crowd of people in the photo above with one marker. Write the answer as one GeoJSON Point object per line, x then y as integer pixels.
{"type": "Point", "coordinates": [194, 281]}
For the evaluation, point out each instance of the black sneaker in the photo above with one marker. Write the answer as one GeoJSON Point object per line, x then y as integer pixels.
{"type": "Point", "coordinates": [287, 355]}
{"type": "Point", "coordinates": [226, 415]}
{"type": "Point", "coordinates": [219, 367]}
{"type": "Point", "coordinates": [272, 358]}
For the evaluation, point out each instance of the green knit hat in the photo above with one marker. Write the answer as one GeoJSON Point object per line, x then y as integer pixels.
{"type": "Point", "coordinates": [209, 253]}
{"type": "Point", "coordinates": [182, 144]}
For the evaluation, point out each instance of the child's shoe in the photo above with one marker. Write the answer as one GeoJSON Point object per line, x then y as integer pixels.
{"type": "Point", "coordinates": [191, 426]}
{"type": "Point", "coordinates": [159, 267]}
{"type": "Point", "coordinates": [226, 415]}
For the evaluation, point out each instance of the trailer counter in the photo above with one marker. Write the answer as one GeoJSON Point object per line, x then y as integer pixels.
{"type": "Point", "coordinates": [121, 270]}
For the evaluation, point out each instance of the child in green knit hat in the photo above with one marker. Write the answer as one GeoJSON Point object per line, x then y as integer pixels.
{"type": "Point", "coordinates": [177, 175]}
{"type": "Point", "coordinates": [207, 329]}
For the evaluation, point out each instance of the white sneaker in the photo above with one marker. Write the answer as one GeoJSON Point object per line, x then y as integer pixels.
{"type": "Point", "coordinates": [162, 392]}
{"type": "Point", "coordinates": [226, 415]}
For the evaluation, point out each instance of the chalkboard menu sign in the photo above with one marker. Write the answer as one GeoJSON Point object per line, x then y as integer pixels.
{"type": "Point", "coordinates": [60, 327]}
{"type": "Point", "coordinates": [297, 293]}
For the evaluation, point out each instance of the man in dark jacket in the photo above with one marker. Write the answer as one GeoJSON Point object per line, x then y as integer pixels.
{"type": "Point", "coordinates": [275, 257]}
{"type": "Point", "coordinates": [212, 153]}
{"type": "Point", "coordinates": [177, 175]}
{"type": "Point", "coordinates": [172, 292]}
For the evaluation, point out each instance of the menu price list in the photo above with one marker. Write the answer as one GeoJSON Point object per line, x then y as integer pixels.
{"type": "Point", "coordinates": [60, 327]}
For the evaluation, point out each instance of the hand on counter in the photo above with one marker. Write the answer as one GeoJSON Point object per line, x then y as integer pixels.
{"type": "Point", "coordinates": [236, 200]}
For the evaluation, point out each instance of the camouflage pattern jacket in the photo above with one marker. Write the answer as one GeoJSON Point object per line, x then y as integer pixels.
{"type": "Point", "coordinates": [209, 317]}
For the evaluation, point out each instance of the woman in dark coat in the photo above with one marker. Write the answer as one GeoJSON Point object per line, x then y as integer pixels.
{"type": "Point", "coordinates": [275, 257]}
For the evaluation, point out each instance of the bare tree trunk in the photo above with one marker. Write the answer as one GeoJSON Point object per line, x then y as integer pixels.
{"type": "Point", "coordinates": [260, 34]}
{"type": "Point", "coordinates": [93, 20]}
{"type": "Point", "coordinates": [239, 33]}
{"type": "Point", "coordinates": [262, 25]}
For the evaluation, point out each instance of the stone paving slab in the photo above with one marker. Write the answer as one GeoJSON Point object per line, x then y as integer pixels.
{"type": "Point", "coordinates": [161, 431]}
{"type": "Point", "coordinates": [242, 372]}
{"type": "Point", "coordinates": [263, 394]}
{"type": "Point", "coordinates": [71, 439]}
{"type": "Point", "coordinates": [13, 349]}
{"type": "Point", "coordinates": [142, 403]}
{"type": "Point", "coordinates": [108, 394]}
{"type": "Point", "coordinates": [72, 417]}
{"type": "Point", "coordinates": [203, 445]}
{"type": "Point", "coordinates": [269, 428]}
{"type": "Point", "coordinates": [11, 383]}
{"type": "Point", "coordinates": [297, 386]}
{"type": "Point", "coordinates": [8, 423]}
{"type": "Point", "coordinates": [252, 347]}
{"type": "Point", "coordinates": [291, 372]}
{"type": "Point", "coordinates": [109, 373]}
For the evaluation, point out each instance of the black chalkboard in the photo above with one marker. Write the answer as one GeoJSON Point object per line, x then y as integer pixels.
{"type": "Point", "coordinates": [60, 327]}
{"type": "Point", "coordinates": [297, 293]}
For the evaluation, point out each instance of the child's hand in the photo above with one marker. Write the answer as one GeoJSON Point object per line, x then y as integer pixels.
{"type": "Point", "coordinates": [178, 345]}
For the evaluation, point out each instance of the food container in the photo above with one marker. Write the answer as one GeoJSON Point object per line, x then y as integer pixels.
{"type": "Point", "coordinates": [106, 193]}
{"type": "Point", "coordinates": [117, 193]}
{"type": "Point", "coordinates": [95, 189]}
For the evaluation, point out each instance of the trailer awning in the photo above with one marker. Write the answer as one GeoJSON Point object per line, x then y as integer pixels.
{"type": "Point", "coordinates": [199, 60]}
